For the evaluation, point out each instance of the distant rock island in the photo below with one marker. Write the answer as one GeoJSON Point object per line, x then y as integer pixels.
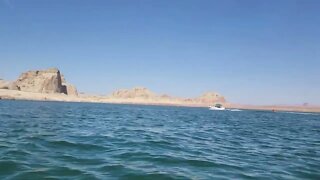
{"type": "Point", "coordinates": [51, 85]}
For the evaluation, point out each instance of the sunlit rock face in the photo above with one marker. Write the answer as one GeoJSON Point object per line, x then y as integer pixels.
{"type": "Point", "coordinates": [142, 93]}
{"type": "Point", "coordinates": [40, 81]}
{"type": "Point", "coordinates": [211, 97]}
{"type": "Point", "coordinates": [69, 89]}
{"type": "Point", "coordinates": [43, 81]}
{"type": "Point", "coordinates": [4, 84]}
{"type": "Point", "coordinates": [138, 92]}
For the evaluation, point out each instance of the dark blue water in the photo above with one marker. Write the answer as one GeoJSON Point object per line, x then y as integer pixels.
{"type": "Point", "coordinates": [103, 141]}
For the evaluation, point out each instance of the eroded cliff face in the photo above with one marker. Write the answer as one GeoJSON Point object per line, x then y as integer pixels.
{"type": "Point", "coordinates": [138, 92]}
{"type": "Point", "coordinates": [69, 89]}
{"type": "Point", "coordinates": [41, 81]}
{"type": "Point", "coordinates": [211, 97]}
{"type": "Point", "coordinates": [142, 93]}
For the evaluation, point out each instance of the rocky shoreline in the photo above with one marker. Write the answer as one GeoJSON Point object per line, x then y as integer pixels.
{"type": "Point", "coordinates": [51, 85]}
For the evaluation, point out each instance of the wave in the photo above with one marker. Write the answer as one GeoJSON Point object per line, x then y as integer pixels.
{"type": "Point", "coordinates": [235, 110]}
{"type": "Point", "coordinates": [302, 113]}
{"type": "Point", "coordinates": [117, 142]}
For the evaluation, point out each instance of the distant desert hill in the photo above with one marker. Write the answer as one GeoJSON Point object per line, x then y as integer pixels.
{"type": "Point", "coordinates": [143, 93]}
{"type": "Point", "coordinates": [210, 97]}
{"type": "Point", "coordinates": [138, 92]}
{"type": "Point", "coordinates": [51, 85]}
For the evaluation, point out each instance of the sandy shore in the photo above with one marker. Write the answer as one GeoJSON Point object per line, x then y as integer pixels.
{"type": "Point", "coordinates": [277, 108]}
{"type": "Point", "coordinates": [20, 95]}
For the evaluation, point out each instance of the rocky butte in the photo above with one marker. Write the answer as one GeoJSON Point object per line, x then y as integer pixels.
{"type": "Point", "coordinates": [48, 81]}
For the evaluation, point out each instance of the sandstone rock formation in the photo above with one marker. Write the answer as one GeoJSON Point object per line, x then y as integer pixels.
{"type": "Point", "coordinates": [145, 94]}
{"type": "Point", "coordinates": [8, 85]}
{"type": "Point", "coordinates": [4, 84]}
{"type": "Point", "coordinates": [13, 86]}
{"type": "Point", "coordinates": [138, 92]}
{"type": "Point", "coordinates": [69, 89]}
{"type": "Point", "coordinates": [211, 97]}
{"type": "Point", "coordinates": [43, 81]}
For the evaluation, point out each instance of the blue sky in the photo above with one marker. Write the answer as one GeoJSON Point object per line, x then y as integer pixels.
{"type": "Point", "coordinates": [251, 51]}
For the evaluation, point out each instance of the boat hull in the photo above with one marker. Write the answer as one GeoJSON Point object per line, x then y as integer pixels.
{"type": "Point", "coordinates": [217, 109]}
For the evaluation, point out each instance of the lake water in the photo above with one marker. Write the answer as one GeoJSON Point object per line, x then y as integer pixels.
{"type": "Point", "coordinates": [104, 141]}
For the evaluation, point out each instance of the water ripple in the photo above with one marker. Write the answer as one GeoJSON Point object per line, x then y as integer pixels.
{"type": "Point", "coordinates": [50, 140]}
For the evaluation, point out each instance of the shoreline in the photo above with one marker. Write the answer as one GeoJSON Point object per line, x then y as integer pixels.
{"type": "Point", "coordinates": [29, 96]}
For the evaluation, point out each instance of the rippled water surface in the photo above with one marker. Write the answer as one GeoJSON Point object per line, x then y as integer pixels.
{"type": "Point", "coordinates": [103, 141]}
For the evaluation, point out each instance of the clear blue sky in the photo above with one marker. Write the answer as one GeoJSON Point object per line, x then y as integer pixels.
{"type": "Point", "coordinates": [251, 51]}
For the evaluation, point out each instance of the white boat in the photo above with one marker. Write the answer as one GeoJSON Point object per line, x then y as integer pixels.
{"type": "Point", "coordinates": [217, 107]}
